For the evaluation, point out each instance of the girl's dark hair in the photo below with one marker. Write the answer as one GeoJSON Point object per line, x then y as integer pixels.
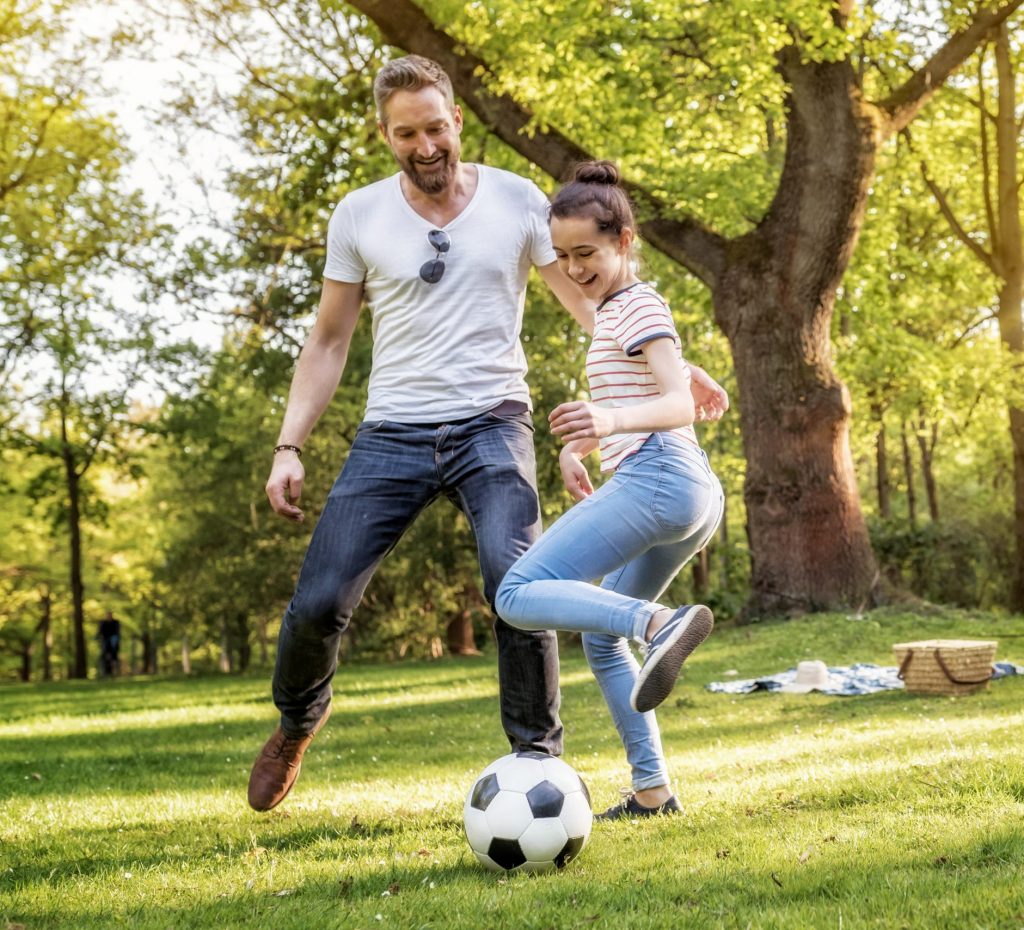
{"type": "Point", "coordinates": [595, 191]}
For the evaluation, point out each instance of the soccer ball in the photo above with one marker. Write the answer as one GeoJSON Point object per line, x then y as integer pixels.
{"type": "Point", "coordinates": [527, 812]}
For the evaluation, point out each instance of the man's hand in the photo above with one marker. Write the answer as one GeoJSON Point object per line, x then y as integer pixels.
{"type": "Point", "coordinates": [284, 486]}
{"type": "Point", "coordinates": [580, 419]}
{"type": "Point", "coordinates": [575, 475]}
{"type": "Point", "coordinates": [710, 399]}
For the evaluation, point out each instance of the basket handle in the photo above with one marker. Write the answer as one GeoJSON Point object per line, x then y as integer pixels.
{"type": "Point", "coordinates": [945, 670]}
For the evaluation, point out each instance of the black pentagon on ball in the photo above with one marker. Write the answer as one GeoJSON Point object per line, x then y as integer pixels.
{"type": "Point", "coordinates": [506, 853]}
{"type": "Point", "coordinates": [569, 851]}
{"type": "Point", "coordinates": [484, 791]}
{"type": "Point", "coordinates": [532, 754]}
{"type": "Point", "coordinates": [545, 799]}
{"type": "Point", "coordinates": [586, 792]}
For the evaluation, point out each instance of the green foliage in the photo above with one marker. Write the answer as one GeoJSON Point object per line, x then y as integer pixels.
{"type": "Point", "coordinates": [72, 349]}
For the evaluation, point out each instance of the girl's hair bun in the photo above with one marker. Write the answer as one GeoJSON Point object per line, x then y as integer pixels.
{"type": "Point", "coordinates": [597, 172]}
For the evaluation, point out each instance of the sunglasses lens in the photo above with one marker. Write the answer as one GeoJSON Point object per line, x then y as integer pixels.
{"type": "Point", "coordinates": [438, 238]}
{"type": "Point", "coordinates": [432, 271]}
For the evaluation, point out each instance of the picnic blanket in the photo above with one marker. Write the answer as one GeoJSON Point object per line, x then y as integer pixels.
{"type": "Point", "coordinates": [843, 680]}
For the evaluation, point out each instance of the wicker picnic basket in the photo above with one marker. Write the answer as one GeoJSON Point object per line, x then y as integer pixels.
{"type": "Point", "coordinates": [946, 666]}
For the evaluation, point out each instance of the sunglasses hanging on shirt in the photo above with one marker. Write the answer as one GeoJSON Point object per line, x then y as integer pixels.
{"type": "Point", "coordinates": [433, 271]}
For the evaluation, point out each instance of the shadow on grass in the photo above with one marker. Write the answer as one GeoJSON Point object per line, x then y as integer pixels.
{"type": "Point", "coordinates": [694, 887]}
{"type": "Point", "coordinates": [366, 742]}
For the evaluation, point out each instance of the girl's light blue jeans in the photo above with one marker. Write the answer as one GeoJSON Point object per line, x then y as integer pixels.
{"type": "Point", "coordinates": [635, 533]}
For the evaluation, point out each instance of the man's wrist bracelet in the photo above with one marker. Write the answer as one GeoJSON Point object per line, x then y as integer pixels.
{"type": "Point", "coordinates": [286, 447]}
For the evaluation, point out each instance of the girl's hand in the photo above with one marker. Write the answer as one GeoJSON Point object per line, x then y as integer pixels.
{"type": "Point", "coordinates": [710, 400]}
{"type": "Point", "coordinates": [575, 475]}
{"type": "Point", "coordinates": [580, 419]}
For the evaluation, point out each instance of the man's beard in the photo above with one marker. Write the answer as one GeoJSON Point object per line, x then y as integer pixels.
{"type": "Point", "coordinates": [433, 182]}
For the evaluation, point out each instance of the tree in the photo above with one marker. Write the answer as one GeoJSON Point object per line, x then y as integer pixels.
{"type": "Point", "coordinates": [774, 280]}
{"type": "Point", "coordinates": [914, 340]}
{"type": "Point", "coordinates": [72, 348]}
{"type": "Point", "coordinates": [989, 224]}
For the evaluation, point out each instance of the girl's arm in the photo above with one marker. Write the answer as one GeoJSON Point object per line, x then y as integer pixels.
{"type": "Point", "coordinates": [672, 408]}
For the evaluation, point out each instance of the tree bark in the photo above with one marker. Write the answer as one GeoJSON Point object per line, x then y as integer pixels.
{"type": "Point", "coordinates": [46, 631]}
{"type": "Point", "coordinates": [723, 529]}
{"type": "Point", "coordinates": [701, 571]}
{"type": "Point", "coordinates": [459, 631]}
{"type": "Point", "coordinates": [926, 446]}
{"type": "Point", "coordinates": [882, 485]}
{"type": "Point", "coordinates": [148, 653]}
{"type": "Point", "coordinates": [25, 670]}
{"type": "Point", "coordinates": [908, 476]}
{"type": "Point", "coordinates": [773, 292]}
{"type": "Point", "coordinates": [1009, 256]}
{"type": "Point", "coordinates": [459, 635]}
{"type": "Point", "coordinates": [72, 478]}
{"type": "Point", "coordinates": [186, 655]}
{"type": "Point", "coordinates": [244, 647]}
{"type": "Point", "coordinates": [224, 662]}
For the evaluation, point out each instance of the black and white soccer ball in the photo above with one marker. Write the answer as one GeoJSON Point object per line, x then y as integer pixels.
{"type": "Point", "coordinates": [527, 812]}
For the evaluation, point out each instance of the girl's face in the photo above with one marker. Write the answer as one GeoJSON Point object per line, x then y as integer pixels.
{"type": "Point", "coordinates": [599, 262]}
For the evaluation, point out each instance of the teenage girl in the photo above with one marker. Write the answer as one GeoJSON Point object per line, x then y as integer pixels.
{"type": "Point", "coordinates": [660, 506]}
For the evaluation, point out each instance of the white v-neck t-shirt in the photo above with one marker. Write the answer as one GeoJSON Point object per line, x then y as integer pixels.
{"type": "Point", "coordinates": [450, 350]}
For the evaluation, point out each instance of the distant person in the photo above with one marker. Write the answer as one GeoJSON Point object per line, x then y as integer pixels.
{"type": "Point", "coordinates": [660, 505]}
{"type": "Point", "coordinates": [440, 252]}
{"type": "Point", "coordinates": [109, 635]}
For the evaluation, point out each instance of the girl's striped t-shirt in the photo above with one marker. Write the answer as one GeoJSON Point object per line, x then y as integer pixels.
{"type": "Point", "coordinates": [617, 369]}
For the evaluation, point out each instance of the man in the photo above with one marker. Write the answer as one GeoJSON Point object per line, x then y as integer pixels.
{"type": "Point", "coordinates": [109, 635]}
{"type": "Point", "coordinates": [440, 252]}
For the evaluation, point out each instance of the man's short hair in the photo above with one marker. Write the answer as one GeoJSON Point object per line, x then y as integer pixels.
{"type": "Point", "coordinates": [412, 72]}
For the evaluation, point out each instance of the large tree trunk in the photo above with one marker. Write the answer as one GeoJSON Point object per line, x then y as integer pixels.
{"type": "Point", "coordinates": [774, 302]}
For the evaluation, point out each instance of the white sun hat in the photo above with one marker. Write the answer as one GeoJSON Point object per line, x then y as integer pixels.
{"type": "Point", "coordinates": [810, 676]}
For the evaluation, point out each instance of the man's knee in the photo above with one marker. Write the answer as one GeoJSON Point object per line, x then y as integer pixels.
{"type": "Point", "coordinates": [309, 617]}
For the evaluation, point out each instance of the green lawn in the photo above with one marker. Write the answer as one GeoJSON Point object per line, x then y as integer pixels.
{"type": "Point", "coordinates": [122, 804]}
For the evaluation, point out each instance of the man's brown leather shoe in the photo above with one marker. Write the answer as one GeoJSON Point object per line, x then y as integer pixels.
{"type": "Point", "coordinates": [277, 766]}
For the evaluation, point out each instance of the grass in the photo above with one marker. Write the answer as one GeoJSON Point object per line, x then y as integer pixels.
{"type": "Point", "coordinates": [122, 804]}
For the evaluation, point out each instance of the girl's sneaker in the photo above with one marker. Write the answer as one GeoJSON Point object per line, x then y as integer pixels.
{"type": "Point", "coordinates": [667, 651]}
{"type": "Point", "coordinates": [629, 807]}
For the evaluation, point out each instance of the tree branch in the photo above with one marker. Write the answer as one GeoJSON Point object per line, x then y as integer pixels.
{"type": "Point", "coordinates": [954, 223]}
{"type": "Point", "coordinates": [406, 26]}
{"type": "Point", "coordinates": [986, 165]}
{"type": "Point", "coordinates": [901, 106]}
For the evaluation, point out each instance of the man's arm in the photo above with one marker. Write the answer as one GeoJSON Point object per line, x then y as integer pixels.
{"type": "Point", "coordinates": [569, 295]}
{"type": "Point", "coordinates": [321, 363]}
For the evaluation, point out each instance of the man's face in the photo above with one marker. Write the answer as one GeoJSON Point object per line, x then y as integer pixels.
{"type": "Point", "coordinates": [423, 133]}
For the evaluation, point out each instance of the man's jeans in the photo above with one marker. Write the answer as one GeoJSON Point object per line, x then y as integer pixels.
{"type": "Point", "coordinates": [485, 465]}
{"type": "Point", "coordinates": [635, 532]}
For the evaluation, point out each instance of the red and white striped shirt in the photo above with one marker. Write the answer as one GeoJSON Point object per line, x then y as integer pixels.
{"type": "Point", "coordinates": [617, 368]}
